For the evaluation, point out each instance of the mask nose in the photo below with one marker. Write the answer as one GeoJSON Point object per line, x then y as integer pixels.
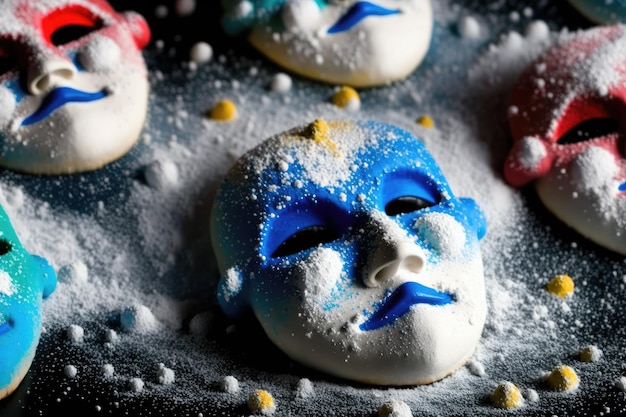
{"type": "Point", "coordinates": [48, 73]}
{"type": "Point", "coordinates": [392, 258]}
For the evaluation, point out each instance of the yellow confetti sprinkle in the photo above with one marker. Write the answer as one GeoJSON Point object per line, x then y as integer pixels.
{"type": "Point", "coordinates": [262, 402]}
{"type": "Point", "coordinates": [426, 121]}
{"type": "Point", "coordinates": [563, 378]}
{"type": "Point", "coordinates": [318, 131]}
{"type": "Point", "coordinates": [223, 111]}
{"type": "Point", "coordinates": [561, 286]}
{"type": "Point", "coordinates": [347, 98]}
{"type": "Point", "coordinates": [507, 395]}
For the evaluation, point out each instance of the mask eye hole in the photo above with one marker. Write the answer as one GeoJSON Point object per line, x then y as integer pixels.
{"type": "Point", "coordinates": [307, 238]}
{"type": "Point", "coordinates": [5, 247]}
{"type": "Point", "coordinates": [69, 24]}
{"type": "Point", "coordinates": [406, 204]}
{"type": "Point", "coordinates": [68, 34]}
{"type": "Point", "coordinates": [8, 59]}
{"type": "Point", "coordinates": [590, 129]}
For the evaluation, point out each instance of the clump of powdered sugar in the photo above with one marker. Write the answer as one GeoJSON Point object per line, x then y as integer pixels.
{"type": "Point", "coordinates": [138, 319]}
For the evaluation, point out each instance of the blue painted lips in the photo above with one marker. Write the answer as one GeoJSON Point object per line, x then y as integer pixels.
{"type": "Point", "coordinates": [59, 97]}
{"type": "Point", "coordinates": [401, 300]}
{"type": "Point", "coordinates": [358, 12]}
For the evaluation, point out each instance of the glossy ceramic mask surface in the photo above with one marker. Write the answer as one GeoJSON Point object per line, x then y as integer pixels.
{"type": "Point", "coordinates": [25, 280]}
{"type": "Point", "coordinates": [567, 121]}
{"type": "Point", "coordinates": [73, 84]}
{"type": "Point", "coordinates": [348, 245]}
{"type": "Point", "coordinates": [357, 43]}
{"type": "Point", "coordinates": [602, 11]}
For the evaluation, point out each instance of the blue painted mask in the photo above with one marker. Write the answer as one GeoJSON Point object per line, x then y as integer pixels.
{"type": "Point", "coordinates": [25, 280]}
{"type": "Point", "coordinates": [354, 42]}
{"type": "Point", "coordinates": [346, 242]}
{"type": "Point", "coordinates": [73, 84]}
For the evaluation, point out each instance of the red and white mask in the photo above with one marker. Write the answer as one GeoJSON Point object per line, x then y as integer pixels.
{"type": "Point", "coordinates": [568, 118]}
{"type": "Point", "coordinates": [73, 84]}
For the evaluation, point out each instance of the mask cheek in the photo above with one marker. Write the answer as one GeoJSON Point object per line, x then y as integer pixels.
{"type": "Point", "coordinates": [100, 54]}
{"type": "Point", "coordinates": [319, 277]}
{"type": "Point", "coordinates": [442, 233]}
{"type": "Point", "coordinates": [301, 15]}
{"type": "Point", "coordinates": [8, 104]}
{"type": "Point", "coordinates": [595, 169]}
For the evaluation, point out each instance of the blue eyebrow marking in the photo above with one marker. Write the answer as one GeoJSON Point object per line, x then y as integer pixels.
{"type": "Point", "coordinates": [358, 12]}
{"type": "Point", "coordinates": [59, 97]}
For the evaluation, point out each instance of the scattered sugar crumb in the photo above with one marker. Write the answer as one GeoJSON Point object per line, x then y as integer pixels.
{"type": "Point", "coordinates": [531, 396]}
{"type": "Point", "coordinates": [537, 30]}
{"type": "Point", "coordinates": [305, 389]}
{"type": "Point", "coordinates": [185, 7]}
{"type": "Point", "coordinates": [469, 28]}
{"type": "Point", "coordinates": [138, 319]}
{"type": "Point", "coordinates": [281, 83]}
{"type": "Point", "coordinates": [230, 385]}
{"type": "Point", "coordinates": [70, 371]}
{"type": "Point", "coordinates": [110, 336]}
{"type": "Point", "coordinates": [162, 175]}
{"type": "Point", "coordinates": [74, 273]}
{"type": "Point", "coordinates": [136, 384]}
{"type": "Point", "coordinates": [476, 368]}
{"type": "Point", "coordinates": [161, 11]}
{"type": "Point", "coordinates": [394, 408]}
{"type": "Point", "coordinates": [108, 370]}
{"type": "Point", "coordinates": [75, 333]}
{"type": "Point", "coordinates": [201, 323]}
{"type": "Point", "coordinates": [201, 53]}
{"type": "Point", "coordinates": [165, 375]}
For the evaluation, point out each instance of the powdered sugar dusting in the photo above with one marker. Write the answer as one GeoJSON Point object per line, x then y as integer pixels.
{"type": "Point", "coordinates": [6, 284]}
{"type": "Point", "coordinates": [137, 242]}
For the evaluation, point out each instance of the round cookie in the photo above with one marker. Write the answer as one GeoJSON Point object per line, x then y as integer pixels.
{"type": "Point", "coordinates": [566, 112]}
{"type": "Point", "coordinates": [25, 280]}
{"type": "Point", "coordinates": [73, 84]}
{"type": "Point", "coordinates": [613, 11]}
{"type": "Point", "coordinates": [347, 244]}
{"type": "Point", "coordinates": [356, 43]}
